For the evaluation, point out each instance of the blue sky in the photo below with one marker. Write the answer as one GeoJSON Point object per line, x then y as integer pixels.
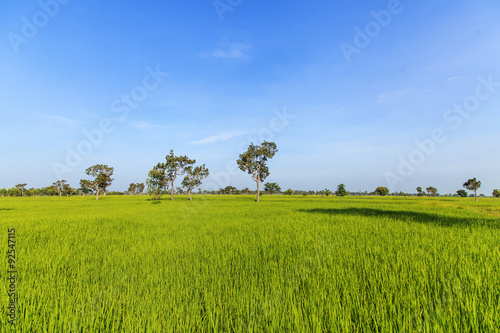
{"type": "Point", "coordinates": [355, 84]}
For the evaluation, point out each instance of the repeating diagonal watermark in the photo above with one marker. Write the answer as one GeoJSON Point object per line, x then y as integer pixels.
{"type": "Point", "coordinates": [223, 6]}
{"type": "Point", "coordinates": [454, 117]}
{"type": "Point", "coordinates": [121, 107]}
{"type": "Point", "coordinates": [32, 26]}
{"type": "Point", "coordinates": [363, 37]}
{"type": "Point", "coordinates": [277, 124]}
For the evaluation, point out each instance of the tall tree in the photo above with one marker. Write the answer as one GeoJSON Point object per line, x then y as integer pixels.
{"type": "Point", "coordinates": [272, 188]}
{"type": "Point", "coordinates": [174, 166]}
{"type": "Point", "coordinates": [157, 181]}
{"type": "Point", "coordinates": [341, 191]}
{"type": "Point", "coordinates": [59, 186]}
{"type": "Point", "coordinates": [472, 185]}
{"type": "Point", "coordinates": [139, 188]}
{"type": "Point", "coordinates": [254, 161]}
{"type": "Point", "coordinates": [102, 177]}
{"type": "Point", "coordinates": [194, 177]}
{"type": "Point", "coordinates": [420, 192]}
{"type": "Point", "coordinates": [86, 186]}
{"type": "Point", "coordinates": [132, 188]}
{"type": "Point", "coordinates": [21, 187]}
{"type": "Point", "coordinates": [67, 190]}
{"type": "Point", "coordinates": [432, 190]}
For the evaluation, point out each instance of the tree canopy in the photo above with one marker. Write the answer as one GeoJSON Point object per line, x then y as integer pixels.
{"type": "Point", "coordinates": [383, 191]}
{"type": "Point", "coordinates": [157, 181]}
{"type": "Point", "coordinates": [194, 177]}
{"type": "Point", "coordinates": [174, 166]}
{"type": "Point", "coordinates": [254, 162]}
{"type": "Point", "coordinates": [472, 185]}
{"type": "Point", "coordinates": [102, 177]}
{"type": "Point", "coordinates": [341, 191]}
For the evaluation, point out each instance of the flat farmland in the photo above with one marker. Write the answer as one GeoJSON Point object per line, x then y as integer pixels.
{"type": "Point", "coordinates": [229, 264]}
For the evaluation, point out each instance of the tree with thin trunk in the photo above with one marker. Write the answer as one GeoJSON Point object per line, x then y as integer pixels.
{"type": "Point", "coordinates": [254, 161]}
{"type": "Point", "coordinates": [174, 166]}
{"type": "Point", "coordinates": [59, 186]}
{"type": "Point", "coordinates": [432, 191]}
{"type": "Point", "coordinates": [102, 178]}
{"type": "Point", "coordinates": [157, 181]}
{"type": "Point", "coordinates": [194, 177]}
{"type": "Point", "coordinates": [420, 192]}
{"type": "Point", "coordinates": [139, 188]}
{"type": "Point", "coordinates": [86, 186]}
{"type": "Point", "coordinates": [472, 185]}
{"type": "Point", "coordinates": [67, 190]}
{"type": "Point", "coordinates": [132, 188]}
{"type": "Point", "coordinates": [21, 187]}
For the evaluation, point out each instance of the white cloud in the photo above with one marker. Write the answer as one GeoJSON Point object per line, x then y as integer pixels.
{"type": "Point", "coordinates": [140, 125]}
{"type": "Point", "coordinates": [230, 51]}
{"type": "Point", "coordinates": [217, 138]}
{"type": "Point", "coordinates": [59, 120]}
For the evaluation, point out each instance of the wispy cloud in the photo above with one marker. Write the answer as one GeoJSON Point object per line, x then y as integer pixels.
{"type": "Point", "coordinates": [237, 51]}
{"type": "Point", "coordinates": [60, 120]}
{"type": "Point", "coordinates": [140, 125]}
{"type": "Point", "coordinates": [217, 138]}
{"type": "Point", "coordinates": [453, 78]}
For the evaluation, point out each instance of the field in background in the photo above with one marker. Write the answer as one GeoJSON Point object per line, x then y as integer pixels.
{"type": "Point", "coordinates": [226, 263]}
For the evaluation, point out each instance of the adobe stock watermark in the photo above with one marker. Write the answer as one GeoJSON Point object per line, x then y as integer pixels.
{"type": "Point", "coordinates": [31, 26]}
{"type": "Point", "coordinates": [281, 120]}
{"type": "Point", "coordinates": [223, 6]}
{"type": "Point", "coordinates": [363, 37]}
{"type": "Point", "coordinates": [454, 117]}
{"type": "Point", "coordinates": [121, 107]}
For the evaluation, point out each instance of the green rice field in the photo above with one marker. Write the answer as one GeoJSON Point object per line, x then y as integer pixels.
{"type": "Point", "coordinates": [229, 264]}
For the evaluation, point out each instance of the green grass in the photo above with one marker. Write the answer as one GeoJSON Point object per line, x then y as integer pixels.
{"type": "Point", "coordinates": [228, 264]}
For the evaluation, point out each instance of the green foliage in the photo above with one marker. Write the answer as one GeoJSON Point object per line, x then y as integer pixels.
{"type": "Point", "coordinates": [194, 177]}
{"type": "Point", "coordinates": [157, 181]}
{"type": "Point", "coordinates": [420, 192]}
{"type": "Point", "coordinates": [462, 193]}
{"type": "Point", "coordinates": [289, 192]}
{"type": "Point", "coordinates": [432, 191]}
{"type": "Point", "coordinates": [132, 188]}
{"type": "Point", "coordinates": [59, 186]}
{"type": "Point", "coordinates": [21, 187]}
{"type": "Point", "coordinates": [496, 193]}
{"type": "Point", "coordinates": [354, 264]}
{"type": "Point", "coordinates": [254, 161]}
{"type": "Point", "coordinates": [272, 188]}
{"type": "Point", "coordinates": [174, 166]}
{"type": "Point", "coordinates": [102, 178]}
{"type": "Point", "coordinates": [86, 186]}
{"type": "Point", "coordinates": [341, 191]}
{"type": "Point", "coordinates": [472, 185]}
{"type": "Point", "coordinates": [139, 188]}
{"type": "Point", "coordinates": [382, 191]}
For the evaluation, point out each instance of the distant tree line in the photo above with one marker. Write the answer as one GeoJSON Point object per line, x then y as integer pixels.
{"type": "Point", "coordinates": [161, 180]}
